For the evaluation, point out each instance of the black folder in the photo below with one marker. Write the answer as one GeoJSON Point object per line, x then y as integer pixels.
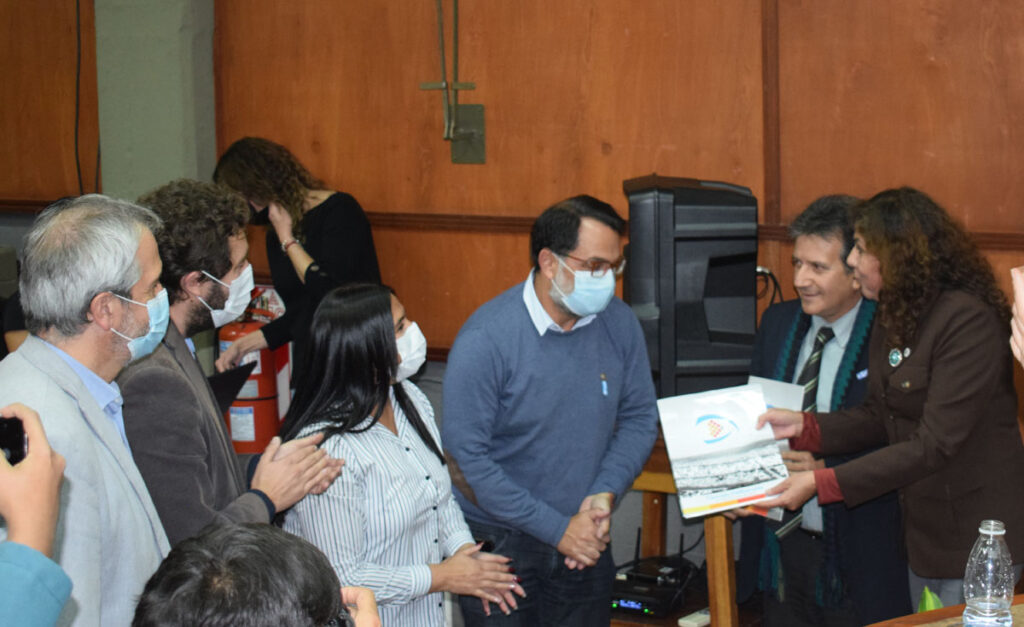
{"type": "Point", "coordinates": [226, 385]}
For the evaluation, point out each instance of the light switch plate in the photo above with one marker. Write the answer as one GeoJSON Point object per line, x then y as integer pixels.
{"type": "Point", "coordinates": [468, 145]}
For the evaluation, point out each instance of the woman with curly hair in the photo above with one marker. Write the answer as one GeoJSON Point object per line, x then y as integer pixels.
{"type": "Point", "coordinates": [320, 238]}
{"type": "Point", "coordinates": [941, 402]}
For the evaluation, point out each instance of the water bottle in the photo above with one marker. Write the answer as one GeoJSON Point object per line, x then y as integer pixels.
{"type": "Point", "coordinates": [988, 579]}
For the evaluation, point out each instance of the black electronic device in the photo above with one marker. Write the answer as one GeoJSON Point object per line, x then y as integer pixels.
{"type": "Point", "coordinates": [12, 440]}
{"type": "Point", "coordinates": [652, 586]}
{"type": "Point", "coordinates": [691, 279]}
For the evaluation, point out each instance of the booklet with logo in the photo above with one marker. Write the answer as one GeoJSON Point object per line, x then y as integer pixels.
{"type": "Point", "coordinates": [719, 461]}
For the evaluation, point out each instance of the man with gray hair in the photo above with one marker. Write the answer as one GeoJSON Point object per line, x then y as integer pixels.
{"type": "Point", "coordinates": [90, 288]}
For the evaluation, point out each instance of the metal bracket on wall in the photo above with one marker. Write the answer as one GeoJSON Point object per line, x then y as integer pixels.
{"type": "Point", "coordinates": [463, 124]}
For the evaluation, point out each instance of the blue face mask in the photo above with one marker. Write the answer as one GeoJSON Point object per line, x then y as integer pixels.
{"type": "Point", "coordinates": [590, 295]}
{"type": "Point", "coordinates": [159, 313]}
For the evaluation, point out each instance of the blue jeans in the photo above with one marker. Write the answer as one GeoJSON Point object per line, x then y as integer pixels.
{"type": "Point", "coordinates": [555, 595]}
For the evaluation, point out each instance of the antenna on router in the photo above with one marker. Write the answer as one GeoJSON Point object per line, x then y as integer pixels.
{"type": "Point", "coordinates": [636, 547]}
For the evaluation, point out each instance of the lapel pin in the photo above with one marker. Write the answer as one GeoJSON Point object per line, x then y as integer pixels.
{"type": "Point", "coordinates": [895, 357]}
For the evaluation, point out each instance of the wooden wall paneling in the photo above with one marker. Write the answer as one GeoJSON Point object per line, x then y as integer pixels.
{"type": "Point", "coordinates": [579, 95]}
{"type": "Point", "coordinates": [37, 103]}
{"type": "Point", "coordinates": [877, 94]}
{"type": "Point", "coordinates": [442, 277]}
{"type": "Point", "coordinates": [770, 201]}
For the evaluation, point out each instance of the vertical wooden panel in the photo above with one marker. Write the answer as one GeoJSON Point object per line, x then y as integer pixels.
{"type": "Point", "coordinates": [771, 212]}
{"type": "Point", "coordinates": [37, 102]}
{"type": "Point", "coordinates": [876, 94]}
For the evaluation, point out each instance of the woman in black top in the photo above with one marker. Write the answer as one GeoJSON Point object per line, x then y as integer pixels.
{"type": "Point", "coordinates": [320, 239]}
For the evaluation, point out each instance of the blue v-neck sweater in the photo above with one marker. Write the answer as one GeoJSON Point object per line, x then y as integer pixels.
{"type": "Point", "coordinates": [538, 422]}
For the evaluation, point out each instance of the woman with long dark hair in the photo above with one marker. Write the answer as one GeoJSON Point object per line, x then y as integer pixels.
{"type": "Point", "coordinates": [320, 238]}
{"type": "Point", "coordinates": [941, 401]}
{"type": "Point", "coordinates": [390, 522]}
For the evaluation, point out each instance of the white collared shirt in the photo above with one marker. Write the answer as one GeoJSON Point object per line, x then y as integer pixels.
{"type": "Point", "coordinates": [541, 320]}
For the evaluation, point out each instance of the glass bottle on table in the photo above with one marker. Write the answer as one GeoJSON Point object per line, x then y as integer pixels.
{"type": "Point", "coordinates": [988, 579]}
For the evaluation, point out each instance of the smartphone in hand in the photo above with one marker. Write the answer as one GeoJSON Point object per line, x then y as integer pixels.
{"type": "Point", "coordinates": [12, 440]}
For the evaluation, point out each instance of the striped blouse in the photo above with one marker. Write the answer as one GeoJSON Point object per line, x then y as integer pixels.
{"type": "Point", "coordinates": [389, 515]}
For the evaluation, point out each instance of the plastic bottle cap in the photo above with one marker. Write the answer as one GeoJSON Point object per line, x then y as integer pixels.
{"type": "Point", "coordinates": [992, 528]}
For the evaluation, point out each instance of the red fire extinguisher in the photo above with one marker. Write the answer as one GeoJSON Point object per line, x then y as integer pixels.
{"type": "Point", "coordinates": [253, 418]}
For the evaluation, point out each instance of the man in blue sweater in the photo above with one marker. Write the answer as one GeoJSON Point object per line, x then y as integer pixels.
{"type": "Point", "coordinates": [549, 414]}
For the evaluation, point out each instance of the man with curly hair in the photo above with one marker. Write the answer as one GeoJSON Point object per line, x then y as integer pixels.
{"type": "Point", "coordinates": [175, 429]}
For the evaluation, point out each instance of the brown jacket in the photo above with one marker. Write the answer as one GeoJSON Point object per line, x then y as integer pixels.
{"type": "Point", "coordinates": [180, 443]}
{"type": "Point", "coordinates": [948, 412]}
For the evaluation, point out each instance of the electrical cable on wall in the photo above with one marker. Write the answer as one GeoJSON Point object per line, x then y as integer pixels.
{"type": "Point", "coordinates": [770, 283]}
{"type": "Point", "coordinates": [78, 108]}
{"type": "Point", "coordinates": [78, 87]}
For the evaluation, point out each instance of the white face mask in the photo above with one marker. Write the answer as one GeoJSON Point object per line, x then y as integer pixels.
{"type": "Point", "coordinates": [590, 295]}
{"type": "Point", "coordinates": [239, 295]}
{"type": "Point", "coordinates": [412, 348]}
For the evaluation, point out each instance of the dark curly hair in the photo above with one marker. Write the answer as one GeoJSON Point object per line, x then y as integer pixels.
{"type": "Point", "coordinates": [922, 252]}
{"type": "Point", "coordinates": [199, 218]}
{"type": "Point", "coordinates": [260, 169]}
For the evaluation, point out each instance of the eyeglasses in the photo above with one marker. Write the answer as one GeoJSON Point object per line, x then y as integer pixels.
{"type": "Point", "coordinates": [599, 267]}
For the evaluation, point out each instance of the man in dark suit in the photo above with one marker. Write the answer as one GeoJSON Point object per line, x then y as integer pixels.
{"type": "Point", "coordinates": [176, 431]}
{"type": "Point", "coordinates": [839, 566]}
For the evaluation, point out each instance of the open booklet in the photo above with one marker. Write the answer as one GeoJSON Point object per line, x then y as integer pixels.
{"type": "Point", "coordinates": [719, 461]}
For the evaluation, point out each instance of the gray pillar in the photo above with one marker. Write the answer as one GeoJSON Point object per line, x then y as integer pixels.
{"type": "Point", "coordinates": [154, 62]}
{"type": "Point", "coordinates": [154, 73]}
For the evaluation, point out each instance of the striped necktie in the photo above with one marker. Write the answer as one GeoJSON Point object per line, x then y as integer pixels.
{"type": "Point", "coordinates": [809, 375]}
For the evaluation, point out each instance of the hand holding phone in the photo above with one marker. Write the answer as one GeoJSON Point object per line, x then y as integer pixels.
{"type": "Point", "coordinates": [12, 440]}
{"type": "Point", "coordinates": [30, 491]}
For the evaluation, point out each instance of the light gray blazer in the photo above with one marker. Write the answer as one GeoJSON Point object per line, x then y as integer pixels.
{"type": "Point", "coordinates": [181, 445]}
{"type": "Point", "coordinates": [109, 539]}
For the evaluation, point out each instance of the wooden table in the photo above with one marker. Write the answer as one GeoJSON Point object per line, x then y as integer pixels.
{"type": "Point", "coordinates": [655, 481]}
{"type": "Point", "coordinates": [947, 616]}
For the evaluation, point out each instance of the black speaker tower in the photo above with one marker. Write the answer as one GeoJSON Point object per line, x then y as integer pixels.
{"type": "Point", "coordinates": [691, 279]}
